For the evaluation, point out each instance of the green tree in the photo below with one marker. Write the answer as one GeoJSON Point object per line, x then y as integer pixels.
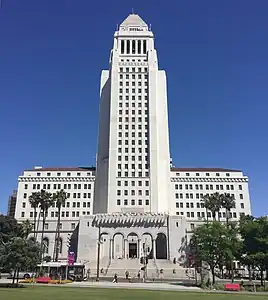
{"type": "Point", "coordinates": [46, 202]}
{"type": "Point", "coordinates": [254, 234]}
{"type": "Point", "coordinates": [26, 228]}
{"type": "Point", "coordinates": [213, 203]}
{"type": "Point", "coordinates": [59, 198]}
{"type": "Point", "coordinates": [9, 227]}
{"type": "Point", "coordinates": [34, 201]}
{"type": "Point", "coordinates": [19, 254]}
{"type": "Point", "coordinates": [227, 202]}
{"type": "Point", "coordinates": [214, 242]}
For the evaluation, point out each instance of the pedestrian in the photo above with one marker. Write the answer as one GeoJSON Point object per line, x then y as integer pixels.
{"type": "Point", "coordinates": [139, 274]}
{"type": "Point", "coordinates": [127, 274]}
{"type": "Point", "coordinates": [115, 278]}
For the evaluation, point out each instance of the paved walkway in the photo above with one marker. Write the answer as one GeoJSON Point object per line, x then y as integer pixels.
{"type": "Point", "coordinates": [127, 285]}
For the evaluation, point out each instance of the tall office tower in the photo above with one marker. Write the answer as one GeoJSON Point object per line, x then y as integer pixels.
{"type": "Point", "coordinates": [133, 159]}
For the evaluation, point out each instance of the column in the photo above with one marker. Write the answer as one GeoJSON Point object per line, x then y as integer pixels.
{"type": "Point", "coordinates": [154, 248]}
{"type": "Point", "coordinates": [138, 248]}
{"type": "Point", "coordinates": [111, 248]}
{"type": "Point", "coordinates": [125, 248]}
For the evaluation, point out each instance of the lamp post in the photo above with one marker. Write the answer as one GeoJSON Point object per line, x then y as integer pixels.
{"type": "Point", "coordinates": [98, 255]}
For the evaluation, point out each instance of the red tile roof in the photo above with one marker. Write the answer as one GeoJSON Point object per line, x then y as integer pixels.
{"type": "Point", "coordinates": [203, 170]}
{"type": "Point", "coordinates": [174, 169]}
{"type": "Point", "coordinates": [58, 169]}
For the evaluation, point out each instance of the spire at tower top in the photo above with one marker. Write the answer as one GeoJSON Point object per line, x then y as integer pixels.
{"type": "Point", "coordinates": [133, 20]}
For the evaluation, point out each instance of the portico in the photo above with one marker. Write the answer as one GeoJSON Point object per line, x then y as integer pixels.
{"type": "Point", "coordinates": [131, 235]}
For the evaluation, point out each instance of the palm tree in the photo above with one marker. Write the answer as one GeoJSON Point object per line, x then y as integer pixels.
{"type": "Point", "coordinates": [46, 202]}
{"type": "Point", "coordinates": [59, 199]}
{"type": "Point", "coordinates": [213, 203]}
{"type": "Point", "coordinates": [228, 202]}
{"type": "Point", "coordinates": [34, 201]}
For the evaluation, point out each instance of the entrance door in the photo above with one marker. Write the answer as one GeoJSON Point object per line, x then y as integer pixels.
{"type": "Point", "coordinates": [132, 253]}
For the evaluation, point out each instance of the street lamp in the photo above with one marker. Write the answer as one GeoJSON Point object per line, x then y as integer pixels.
{"type": "Point", "coordinates": [98, 255]}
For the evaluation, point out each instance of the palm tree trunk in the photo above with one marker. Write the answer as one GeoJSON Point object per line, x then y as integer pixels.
{"type": "Point", "coordinates": [38, 222]}
{"type": "Point", "coordinates": [227, 217]}
{"type": "Point", "coordinates": [207, 214]}
{"type": "Point", "coordinates": [34, 224]}
{"type": "Point", "coordinates": [42, 235]}
{"type": "Point", "coordinates": [57, 237]}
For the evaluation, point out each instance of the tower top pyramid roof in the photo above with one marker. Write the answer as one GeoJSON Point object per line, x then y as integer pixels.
{"type": "Point", "coordinates": [133, 20]}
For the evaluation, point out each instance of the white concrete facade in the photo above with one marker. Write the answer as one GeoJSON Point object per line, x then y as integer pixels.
{"type": "Point", "coordinates": [133, 149]}
{"type": "Point", "coordinates": [133, 181]}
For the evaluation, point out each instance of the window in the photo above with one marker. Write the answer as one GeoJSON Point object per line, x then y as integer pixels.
{"type": "Point", "coordinates": [240, 187]}
{"type": "Point", "coordinates": [72, 225]}
{"type": "Point", "coordinates": [242, 205]}
{"type": "Point", "coordinates": [241, 196]}
{"type": "Point", "coordinates": [147, 202]}
{"type": "Point", "coordinates": [227, 174]}
{"type": "Point", "coordinates": [58, 174]}
{"type": "Point", "coordinates": [217, 174]}
{"type": "Point", "coordinates": [38, 174]}
{"type": "Point", "coordinates": [26, 186]}
{"type": "Point", "coordinates": [23, 204]}
{"type": "Point", "coordinates": [68, 174]}
{"type": "Point", "coordinates": [24, 195]}
{"type": "Point", "coordinates": [118, 202]}
{"type": "Point", "coordinates": [207, 174]}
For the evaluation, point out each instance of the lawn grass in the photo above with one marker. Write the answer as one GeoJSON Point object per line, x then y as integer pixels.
{"type": "Point", "coordinates": [69, 293]}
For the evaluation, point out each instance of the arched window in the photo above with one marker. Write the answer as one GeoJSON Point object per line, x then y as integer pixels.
{"type": "Point", "coordinates": [139, 47]}
{"type": "Point", "coordinates": [45, 245]}
{"type": "Point", "coordinates": [128, 46]}
{"type": "Point", "coordinates": [144, 47]}
{"type": "Point", "coordinates": [122, 46]}
{"type": "Point", "coordinates": [133, 47]}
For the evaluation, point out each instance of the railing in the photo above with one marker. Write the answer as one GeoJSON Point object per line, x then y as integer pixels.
{"type": "Point", "coordinates": [108, 266]}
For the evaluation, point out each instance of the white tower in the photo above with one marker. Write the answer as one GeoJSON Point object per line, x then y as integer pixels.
{"type": "Point", "coordinates": [133, 159]}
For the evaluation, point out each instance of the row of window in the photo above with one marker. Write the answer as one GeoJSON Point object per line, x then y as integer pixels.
{"type": "Point", "coordinates": [133, 104]}
{"type": "Point", "coordinates": [134, 76]}
{"type": "Point", "coordinates": [139, 90]}
{"type": "Point", "coordinates": [133, 112]}
{"type": "Point", "coordinates": [133, 98]}
{"type": "Point", "coordinates": [68, 174]}
{"type": "Point", "coordinates": [132, 83]}
{"type": "Point", "coordinates": [133, 127]}
{"type": "Point", "coordinates": [65, 186]}
{"type": "Point", "coordinates": [209, 215]}
{"type": "Point", "coordinates": [133, 46]}
{"type": "Point", "coordinates": [199, 205]}
{"type": "Point", "coordinates": [133, 158]}
{"type": "Point", "coordinates": [69, 195]}
{"type": "Point", "coordinates": [134, 142]}
{"type": "Point", "coordinates": [198, 196]}
{"type": "Point", "coordinates": [132, 202]}
{"type": "Point", "coordinates": [73, 214]}
{"type": "Point", "coordinates": [207, 174]}
{"type": "Point", "coordinates": [133, 119]}
{"type": "Point", "coordinates": [132, 174]}
{"type": "Point", "coordinates": [133, 183]}
{"type": "Point", "coordinates": [133, 192]}
{"type": "Point", "coordinates": [207, 187]}
{"type": "Point", "coordinates": [133, 70]}
{"type": "Point", "coordinates": [133, 150]}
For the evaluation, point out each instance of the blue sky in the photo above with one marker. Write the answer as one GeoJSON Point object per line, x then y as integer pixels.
{"type": "Point", "coordinates": [215, 55]}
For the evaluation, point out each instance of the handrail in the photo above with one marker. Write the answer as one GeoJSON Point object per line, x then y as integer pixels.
{"type": "Point", "coordinates": [108, 266]}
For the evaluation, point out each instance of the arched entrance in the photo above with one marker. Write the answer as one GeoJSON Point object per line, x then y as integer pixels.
{"type": "Point", "coordinates": [118, 246]}
{"type": "Point", "coordinates": [133, 245]}
{"type": "Point", "coordinates": [147, 245]}
{"type": "Point", "coordinates": [104, 245]}
{"type": "Point", "coordinates": [161, 246]}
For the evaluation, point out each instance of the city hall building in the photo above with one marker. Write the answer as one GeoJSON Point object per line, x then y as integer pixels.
{"type": "Point", "coordinates": [134, 202]}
